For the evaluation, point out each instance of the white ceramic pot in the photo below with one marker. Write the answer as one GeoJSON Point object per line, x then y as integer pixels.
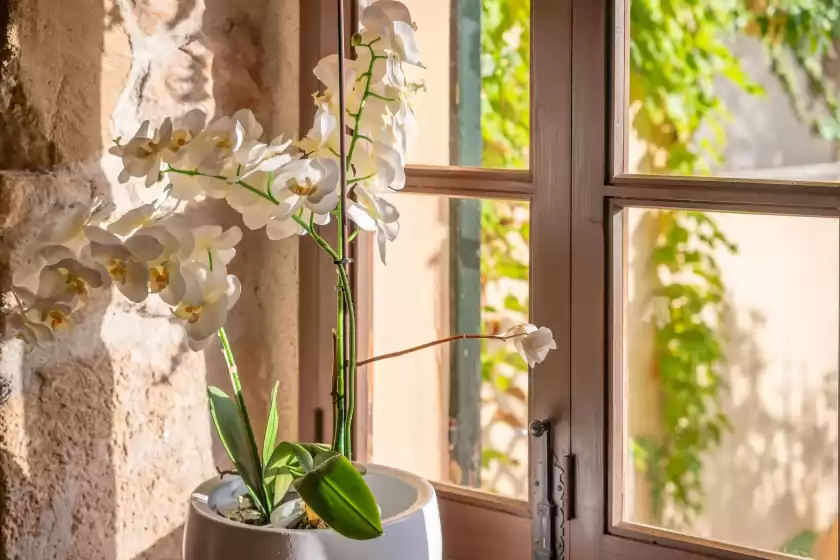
{"type": "Point", "coordinates": [410, 520]}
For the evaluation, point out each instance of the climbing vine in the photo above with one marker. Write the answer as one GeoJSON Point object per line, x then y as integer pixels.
{"type": "Point", "coordinates": [506, 85]}
{"type": "Point", "coordinates": [688, 313]}
{"type": "Point", "coordinates": [678, 48]}
{"type": "Point", "coordinates": [505, 126]}
{"type": "Point", "coordinates": [504, 281]}
{"type": "Point", "coordinates": [678, 51]}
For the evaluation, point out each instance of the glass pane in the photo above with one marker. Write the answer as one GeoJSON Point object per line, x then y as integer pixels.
{"type": "Point", "coordinates": [739, 89]}
{"type": "Point", "coordinates": [477, 83]}
{"type": "Point", "coordinates": [730, 394]}
{"type": "Point", "coordinates": [455, 412]}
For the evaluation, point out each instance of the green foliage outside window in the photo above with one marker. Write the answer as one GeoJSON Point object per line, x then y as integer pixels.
{"type": "Point", "coordinates": [678, 49]}
{"type": "Point", "coordinates": [505, 128]}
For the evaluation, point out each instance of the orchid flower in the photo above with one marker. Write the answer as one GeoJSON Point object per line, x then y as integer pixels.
{"type": "Point", "coordinates": [214, 247]}
{"type": "Point", "coordinates": [209, 295]}
{"type": "Point", "coordinates": [373, 213]}
{"type": "Point", "coordinates": [308, 183]}
{"type": "Point", "coordinates": [141, 156]}
{"type": "Point", "coordinates": [70, 281]}
{"type": "Point", "coordinates": [164, 247]}
{"type": "Point", "coordinates": [322, 141]}
{"type": "Point", "coordinates": [391, 21]}
{"type": "Point", "coordinates": [531, 342]}
{"type": "Point", "coordinates": [29, 326]}
{"type": "Point", "coordinates": [128, 272]}
{"type": "Point", "coordinates": [184, 130]}
{"type": "Point", "coordinates": [327, 73]}
{"type": "Point", "coordinates": [259, 157]}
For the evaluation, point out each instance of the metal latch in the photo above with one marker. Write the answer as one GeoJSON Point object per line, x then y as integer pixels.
{"type": "Point", "coordinates": [543, 522]}
{"type": "Point", "coordinates": [546, 545]}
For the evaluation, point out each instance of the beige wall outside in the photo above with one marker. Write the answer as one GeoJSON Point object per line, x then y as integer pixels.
{"type": "Point", "coordinates": [776, 474]}
{"type": "Point", "coordinates": [411, 293]}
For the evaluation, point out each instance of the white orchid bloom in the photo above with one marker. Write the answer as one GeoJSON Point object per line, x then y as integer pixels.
{"type": "Point", "coordinates": [42, 319]}
{"type": "Point", "coordinates": [29, 325]}
{"type": "Point", "coordinates": [141, 156]}
{"type": "Point", "coordinates": [189, 183]}
{"type": "Point", "coordinates": [59, 239]}
{"type": "Point", "coordinates": [223, 138]}
{"type": "Point", "coordinates": [373, 213]}
{"type": "Point", "coordinates": [261, 157]}
{"type": "Point", "coordinates": [391, 22]}
{"type": "Point", "coordinates": [327, 72]}
{"type": "Point", "coordinates": [215, 152]}
{"type": "Point", "coordinates": [164, 246]}
{"type": "Point", "coordinates": [184, 130]}
{"type": "Point", "coordinates": [379, 167]}
{"type": "Point", "coordinates": [68, 231]}
{"type": "Point", "coordinates": [133, 220]}
{"type": "Point", "coordinates": [214, 247]}
{"type": "Point", "coordinates": [531, 342]}
{"type": "Point", "coordinates": [308, 183]}
{"type": "Point", "coordinates": [322, 140]}
{"type": "Point", "coordinates": [70, 281]}
{"type": "Point", "coordinates": [209, 296]}
{"type": "Point", "coordinates": [282, 227]}
{"type": "Point", "coordinates": [256, 210]}
{"type": "Point", "coordinates": [128, 272]}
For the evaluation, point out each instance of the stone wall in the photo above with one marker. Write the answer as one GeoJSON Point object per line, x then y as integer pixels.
{"type": "Point", "coordinates": [105, 432]}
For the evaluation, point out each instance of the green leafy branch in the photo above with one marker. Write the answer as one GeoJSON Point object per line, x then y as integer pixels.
{"type": "Point", "coordinates": [688, 356]}
{"type": "Point", "coordinates": [505, 128]}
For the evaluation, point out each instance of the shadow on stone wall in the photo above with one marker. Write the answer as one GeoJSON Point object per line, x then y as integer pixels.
{"type": "Point", "coordinates": [58, 477]}
{"type": "Point", "coordinates": [233, 33]}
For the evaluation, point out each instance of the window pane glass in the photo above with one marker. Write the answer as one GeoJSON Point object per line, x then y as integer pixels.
{"type": "Point", "coordinates": [475, 110]}
{"type": "Point", "coordinates": [455, 412]}
{"type": "Point", "coordinates": [730, 388]}
{"type": "Point", "coordinates": [739, 89]}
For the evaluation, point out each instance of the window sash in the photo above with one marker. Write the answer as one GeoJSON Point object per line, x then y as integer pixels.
{"type": "Point", "coordinates": [546, 185]}
{"type": "Point", "coordinates": [599, 188]}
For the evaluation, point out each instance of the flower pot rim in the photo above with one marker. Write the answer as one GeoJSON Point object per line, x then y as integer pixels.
{"type": "Point", "coordinates": [425, 494]}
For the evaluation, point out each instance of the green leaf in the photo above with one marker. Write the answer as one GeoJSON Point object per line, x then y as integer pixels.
{"type": "Point", "coordinates": [271, 426]}
{"type": "Point", "coordinates": [287, 454]}
{"type": "Point", "coordinates": [281, 481]}
{"type": "Point", "coordinates": [232, 432]}
{"type": "Point", "coordinates": [284, 461]}
{"type": "Point", "coordinates": [339, 495]}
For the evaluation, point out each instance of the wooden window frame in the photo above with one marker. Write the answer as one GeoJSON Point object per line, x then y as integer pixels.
{"type": "Point", "coordinates": [546, 185]}
{"type": "Point", "coordinates": [599, 190]}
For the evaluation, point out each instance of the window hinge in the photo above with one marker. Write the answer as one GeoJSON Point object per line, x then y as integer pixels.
{"type": "Point", "coordinates": [550, 475]}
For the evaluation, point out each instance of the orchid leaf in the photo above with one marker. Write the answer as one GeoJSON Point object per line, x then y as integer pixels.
{"type": "Point", "coordinates": [271, 427]}
{"type": "Point", "coordinates": [285, 460]}
{"type": "Point", "coordinates": [337, 493]}
{"type": "Point", "coordinates": [281, 481]}
{"type": "Point", "coordinates": [287, 454]}
{"type": "Point", "coordinates": [231, 430]}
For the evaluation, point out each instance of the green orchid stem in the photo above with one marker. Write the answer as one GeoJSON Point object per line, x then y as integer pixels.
{"type": "Point", "coordinates": [350, 362]}
{"type": "Point", "coordinates": [345, 397]}
{"type": "Point", "coordinates": [345, 407]}
{"type": "Point", "coordinates": [367, 93]}
{"type": "Point", "coordinates": [265, 506]}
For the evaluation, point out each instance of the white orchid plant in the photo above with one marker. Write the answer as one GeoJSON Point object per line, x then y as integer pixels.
{"type": "Point", "coordinates": [288, 188]}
